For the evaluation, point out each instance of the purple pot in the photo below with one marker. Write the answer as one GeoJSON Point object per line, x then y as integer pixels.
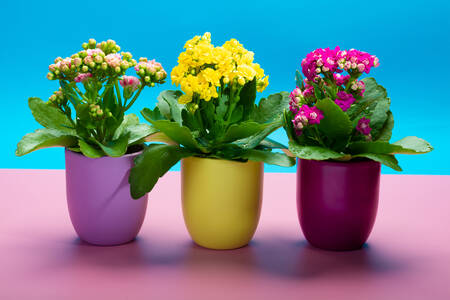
{"type": "Point", "coordinates": [101, 208]}
{"type": "Point", "coordinates": [337, 202]}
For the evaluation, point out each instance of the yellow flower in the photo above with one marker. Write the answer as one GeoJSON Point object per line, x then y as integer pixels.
{"type": "Point", "coordinates": [184, 99]}
{"type": "Point", "coordinates": [247, 72]}
{"type": "Point", "coordinates": [262, 84]}
{"type": "Point", "coordinates": [203, 68]}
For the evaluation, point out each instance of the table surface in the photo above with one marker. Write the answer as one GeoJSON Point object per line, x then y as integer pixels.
{"type": "Point", "coordinates": [407, 255]}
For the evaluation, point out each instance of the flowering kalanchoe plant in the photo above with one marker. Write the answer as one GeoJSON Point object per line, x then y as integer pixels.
{"type": "Point", "coordinates": [214, 116]}
{"type": "Point", "coordinates": [335, 115]}
{"type": "Point", "coordinates": [87, 113]}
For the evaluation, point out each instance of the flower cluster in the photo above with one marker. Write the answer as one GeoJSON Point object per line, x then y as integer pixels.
{"type": "Point", "coordinates": [150, 71]}
{"type": "Point", "coordinates": [323, 70]}
{"type": "Point", "coordinates": [97, 59]}
{"type": "Point", "coordinates": [57, 99]}
{"type": "Point", "coordinates": [97, 113]}
{"type": "Point", "coordinates": [203, 68]}
{"type": "Point", "coordinates": [306, 115]}
{"type": "Point", "coordinates": [327, 61]}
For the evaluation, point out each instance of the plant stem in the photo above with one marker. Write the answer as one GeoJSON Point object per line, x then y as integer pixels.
{"type": "Point", "coordinates": [118, 94]}
{"type": "Point", "coordinates": [134, 98]}
{"type": "Point", "coordinates": [80, 93]}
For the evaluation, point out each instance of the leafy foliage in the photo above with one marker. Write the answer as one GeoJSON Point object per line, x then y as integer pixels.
{"type": "Point", "coordinates": [230, 127]}
{"type": "Point", "coordinates": [336, 136]}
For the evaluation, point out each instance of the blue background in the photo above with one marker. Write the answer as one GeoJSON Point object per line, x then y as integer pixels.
{"type": "Point", "coordinates": [412, 41]}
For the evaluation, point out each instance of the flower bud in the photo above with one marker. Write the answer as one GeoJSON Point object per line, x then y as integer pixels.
{"type": "Point", "coordinates": [52, 67]}
{"type": "Point", "coordinates": [117, 69]}
{"type": "Point", "coordinates": [144, 59]}
{"type": "Point", "coordinates": [77, 61]}
{"type": "Point", "coordinates": [104, 66]}
{"type": "Point", "coordinates": [147, 78]}
{"type": "Point", "coordinates": [84, 45]}
{"type": "Point", "coordinates": [98, 59]}
{"type": "Point", "coordinates": [124, 65]}
{"type": "Point", "coordinates": [226, 80]}
{"type": "Point", "coordinates": [85, 69]}
{"type": "Point", "coordinates": [141, 72]}
{"type": "Point", "coordinates": [92, 64]}
{"type": "Point", "coordinates": [92, 42]}
{"type": "Point", "coordinates": [241, 80]}
{"type": "Point", "coordinates": [50, 76]}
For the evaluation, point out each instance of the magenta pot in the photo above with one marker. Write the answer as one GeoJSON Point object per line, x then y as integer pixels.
{"type": "Point", "coordinates": [101, 208]}
{"type": "Point", "coordinates": [337, 202]}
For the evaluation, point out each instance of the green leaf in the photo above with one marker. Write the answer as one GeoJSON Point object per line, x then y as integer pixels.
{"type": "Point", "coordinates": [269, 143]}
{"type": "Point", "coordinates": [407, 145]}
{"type": "Point", "coordinates": [176, 132]}
{"type": "Point", "coordinates": [386, 159]}
{"type": "Point", "coordinates": [222, 106]}
{"type": "Point", "coordinates": [116, 148]}
{"type": "Point", "coordinates": [335, 124]}
{"type": "Point", "coordinates": [386, 132]}
{"type": "Point", "coordinates": [255, 139]}
{"type": "Point", "coordinates": [152, 164]}
{"type": "Point", "coordinates": [269, 157]}
{"type": "Point", "coordinates": [298, 79]}
{"type": "Point", "coordinates": [313, 152]}
{"type": "Point", "coordinates": [271, 108]}
{"type": "Point", "coordinates": [134, 128]}
{"type": "Point", "coordinates": [169, 107]}
{"type": "Point", "coordinates": [237, 114]}
{"type": "Point", "coordinates": [242, 130]}
{"type": "Point", "coordinates": [413, 145]}
{"type": "Point", "coordinates": [247, 98]}
{"type": "Point", "coordinates": [44, 138]}
{"type": "Point", "coordinates": [372, 95]}
{"type": "Point", "coordinates": [379, 115]}
{"type": "Point", "coordinates": [50, 116]}
{"type": "Point", "coordinates": [89, 150]}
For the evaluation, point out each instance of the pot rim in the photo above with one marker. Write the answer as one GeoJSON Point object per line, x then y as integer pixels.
{"type": "Point", "coordinates": [223, 159]}
{"type": "Point", "coordinates": [341, 163]}
{"type": "Point", "coordinates": [104, 157]}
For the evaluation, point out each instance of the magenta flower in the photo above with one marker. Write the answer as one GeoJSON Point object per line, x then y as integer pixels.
{"type": "Point", "coordinates": [130, 82]}
{"type": "Point", "coordinates": [82, 77]}
{"type": "Point", "coordinates": [306, 115]}
{"type": "Point", "coordinates": [340, 79]}
{"type": "Point", "coordinates": [320, 61]}
{"type": "Point", "coordinates": [344, 100]}
{"type": "Point", "coordinates": [363, 126]}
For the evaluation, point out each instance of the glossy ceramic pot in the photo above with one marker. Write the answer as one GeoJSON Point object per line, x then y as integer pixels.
{"type": "Point", "coordinates": [221, 201]}
{"type": "Point", "coordinates": [101, 208]}
{"type": "Point", "coordinates": [337, 202]}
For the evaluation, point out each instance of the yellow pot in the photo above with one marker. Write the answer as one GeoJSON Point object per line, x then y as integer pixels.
{"type": "Point", "coordinates": [221, 201]}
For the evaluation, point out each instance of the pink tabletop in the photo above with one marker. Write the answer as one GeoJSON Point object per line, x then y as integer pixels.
{"type": "Point", "coordinates": [406, 257]}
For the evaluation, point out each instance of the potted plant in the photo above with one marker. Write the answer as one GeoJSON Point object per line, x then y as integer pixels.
{"type": "Point", "coordinates": [339, 126]}
{"type": "Point", "coordinates": [86, 115]}
{"type": "Point", "coordinates": [219, 133]}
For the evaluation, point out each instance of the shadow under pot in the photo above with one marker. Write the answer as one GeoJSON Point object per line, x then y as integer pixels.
{"type": "Point", "coordinates": [221, 201]}
{"type": "Point", "coordinates": [337, 202]}
{"type": "Point", "coordinates": [101, 208]}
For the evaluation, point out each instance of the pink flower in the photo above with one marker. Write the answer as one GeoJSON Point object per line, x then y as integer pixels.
{"type": "Point", "coordinates": [113, 60]}
{"type": "Point", "coordinates": [130, 82]}
{"type": "Point", "coordinates": [294, 100]}
{"type": "Point", "coordinates": [344, 100]}
{"type": "Point", "coordinates": [82, 77]}
{"type": "Point", "coordinates": [91, 52]}
{"type": "Point", "coordinates": [363, 126]}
